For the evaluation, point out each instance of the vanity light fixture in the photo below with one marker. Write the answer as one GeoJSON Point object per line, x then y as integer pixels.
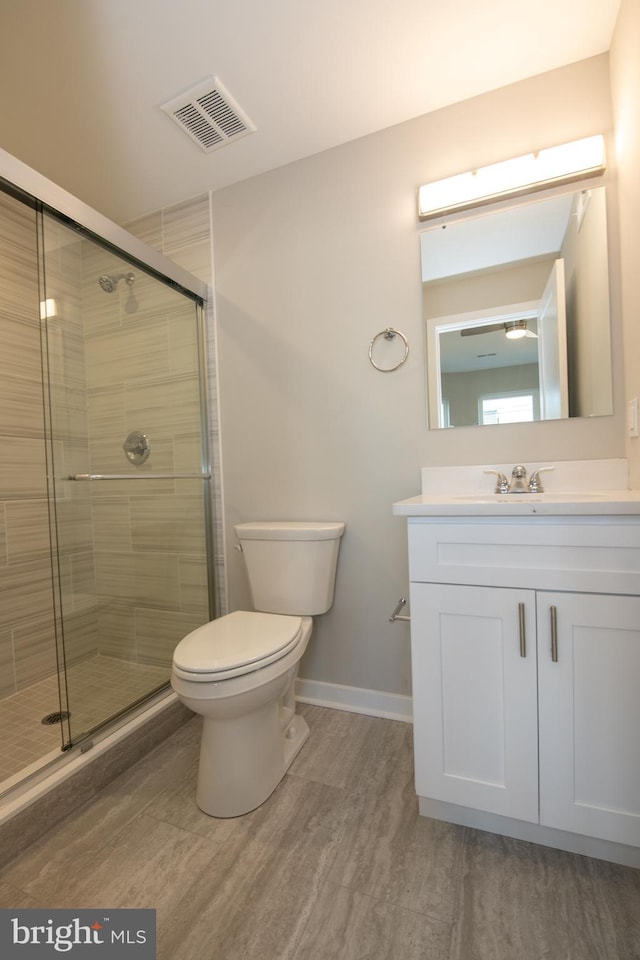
{"type": "Point", "coordinates": [511, 178]}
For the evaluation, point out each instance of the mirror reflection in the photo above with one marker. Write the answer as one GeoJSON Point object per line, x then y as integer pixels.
{"type": "Point", "coordinates": [516, 311]}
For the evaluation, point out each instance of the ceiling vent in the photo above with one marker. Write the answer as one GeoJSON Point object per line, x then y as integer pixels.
{"type": "Point", "coordinates": [209, 115]}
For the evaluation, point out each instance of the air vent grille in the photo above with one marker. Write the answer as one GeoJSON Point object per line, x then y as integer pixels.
{"type": "Point", "coordinates": [209, 115]}
{"type": "Point", "coordinates": [197, 127]}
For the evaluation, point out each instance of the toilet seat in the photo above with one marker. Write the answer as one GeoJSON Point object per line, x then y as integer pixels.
{"type": "Point", "coordinates": [235, 644]}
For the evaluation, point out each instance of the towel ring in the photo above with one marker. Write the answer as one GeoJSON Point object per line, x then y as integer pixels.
{"type": "Point", "coordinates": [388, 334]}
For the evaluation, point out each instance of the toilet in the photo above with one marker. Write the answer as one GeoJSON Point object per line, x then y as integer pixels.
{"type": "Point", "coordinates": [239, 671]}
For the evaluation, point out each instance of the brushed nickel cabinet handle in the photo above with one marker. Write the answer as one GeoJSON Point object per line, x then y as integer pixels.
{"type": "Point", "coordinates": [554, 634]}
{"type": "Point", "coordinates": [523, 635]}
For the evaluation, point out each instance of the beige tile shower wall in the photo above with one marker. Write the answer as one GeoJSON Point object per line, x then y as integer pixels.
{"type": "Point", "coordinates": [27, 640]}
{"type": "Point", "coordinates": [183, 233]}
{"type": "Point", "coordinates": [142, 374]}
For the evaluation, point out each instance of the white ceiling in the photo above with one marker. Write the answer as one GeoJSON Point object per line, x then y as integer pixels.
{"type": "Point", "coordinates": [82, 81]}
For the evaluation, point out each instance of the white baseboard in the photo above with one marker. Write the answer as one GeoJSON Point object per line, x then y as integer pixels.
{"type": "Point", "coordinates": [372, 703]}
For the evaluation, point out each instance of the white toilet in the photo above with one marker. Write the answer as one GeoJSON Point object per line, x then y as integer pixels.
{"type": "Point", "coordinates": [239, 671]}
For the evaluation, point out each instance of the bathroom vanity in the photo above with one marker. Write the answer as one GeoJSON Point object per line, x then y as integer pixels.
{"type": "Point", "coordinates": [525, 641]}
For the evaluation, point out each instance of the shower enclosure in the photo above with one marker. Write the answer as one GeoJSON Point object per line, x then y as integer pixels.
{"type": "Point", "coordinates": [105, 517]}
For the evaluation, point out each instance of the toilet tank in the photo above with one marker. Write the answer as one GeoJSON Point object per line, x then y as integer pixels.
{"type": "Point", "coordinates": [291, 565]}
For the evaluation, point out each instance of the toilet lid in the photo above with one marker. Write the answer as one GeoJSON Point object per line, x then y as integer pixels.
{"type": "Point", "coordinates": [235, 644]}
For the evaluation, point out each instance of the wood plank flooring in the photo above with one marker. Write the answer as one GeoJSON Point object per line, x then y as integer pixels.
{"type": "Point", "coordinates": [336, 864]}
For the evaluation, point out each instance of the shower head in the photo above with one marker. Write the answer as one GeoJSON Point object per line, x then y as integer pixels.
{"type": "Point", "coordinates": [109, 282]}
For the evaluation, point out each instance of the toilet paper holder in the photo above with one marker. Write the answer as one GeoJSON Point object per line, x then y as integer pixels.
{"type": "Point", "coordinates": [396, 613]}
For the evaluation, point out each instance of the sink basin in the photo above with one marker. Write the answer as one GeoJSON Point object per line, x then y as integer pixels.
{"type": "Point", "coordinates": [492, 498]}
{"type": "Point", "coordinates": [595, 497]}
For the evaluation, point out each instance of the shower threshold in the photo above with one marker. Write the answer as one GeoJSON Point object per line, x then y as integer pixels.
{"type": "Point", "coordinates": [34, 804]}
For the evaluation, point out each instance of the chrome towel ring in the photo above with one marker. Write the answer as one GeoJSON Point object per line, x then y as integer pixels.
{"type": "Point", "coordinates": [388, 334]}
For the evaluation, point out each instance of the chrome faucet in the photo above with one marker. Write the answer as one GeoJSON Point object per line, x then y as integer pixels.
{"type": "Point", "coordinates": [519, 480]}
{"type": "Point", "coordinates": [519, 483]}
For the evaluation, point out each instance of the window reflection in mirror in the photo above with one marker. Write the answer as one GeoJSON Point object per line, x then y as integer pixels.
{"type": "Point", "coordinates": [516, 311]}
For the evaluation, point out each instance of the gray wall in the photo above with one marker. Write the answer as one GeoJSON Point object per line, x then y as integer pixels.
{"type": "Point", "coordinates": [625, 89]}
{"type": "Point", "coordinates": [312, 260]}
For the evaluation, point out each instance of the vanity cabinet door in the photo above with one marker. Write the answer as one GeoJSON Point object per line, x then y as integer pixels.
{"type": "Point", "coordinates": [475, 697]}
{"type": "Point", "coordinates": [589, 680]}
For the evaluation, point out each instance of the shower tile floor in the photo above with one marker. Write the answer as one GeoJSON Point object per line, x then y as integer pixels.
{"type": "Point", "coordinates": [98, 688]}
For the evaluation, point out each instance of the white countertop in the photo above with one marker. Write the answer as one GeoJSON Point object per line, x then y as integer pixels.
{"type": "Point", "coordinates": [572, 488]}
{"type": "Point", "coordinates": [597, 503]}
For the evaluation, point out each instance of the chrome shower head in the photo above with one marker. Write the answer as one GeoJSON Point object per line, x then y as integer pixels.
{"type": "Point", "coordinates": [109, 282]}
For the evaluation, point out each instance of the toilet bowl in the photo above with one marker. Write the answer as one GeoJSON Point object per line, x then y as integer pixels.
{"type": "Point", "coordinates": [239, 672]}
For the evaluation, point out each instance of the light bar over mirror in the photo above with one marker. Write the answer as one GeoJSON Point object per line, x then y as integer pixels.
{"type": "Point", "coordinates": [511, 178]}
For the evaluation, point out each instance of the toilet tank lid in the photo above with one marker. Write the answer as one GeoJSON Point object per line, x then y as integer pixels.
{"type": "Point", "coordinates": [289, 530]}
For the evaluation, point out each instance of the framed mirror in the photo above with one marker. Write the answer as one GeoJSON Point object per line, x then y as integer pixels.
{"type": "Point", "coordinates": [516, 313]}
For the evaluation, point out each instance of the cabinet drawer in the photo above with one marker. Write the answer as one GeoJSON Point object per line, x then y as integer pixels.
{"type": "Point", "coordinates": [539, 552]}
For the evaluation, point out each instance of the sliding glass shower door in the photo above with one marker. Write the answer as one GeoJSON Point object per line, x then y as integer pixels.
{"type": "Point", "coordinates": [127, 469]}
{"type": "Point", "coordinates": [28, 668]}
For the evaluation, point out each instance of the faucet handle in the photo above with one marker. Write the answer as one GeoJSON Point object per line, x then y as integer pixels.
{"type": "Point", "coordinates": [502, 484]}
{"type": "Point", "coordinates": [535, 483]}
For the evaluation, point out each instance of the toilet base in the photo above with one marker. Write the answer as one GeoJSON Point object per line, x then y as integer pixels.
{"type": "Point", "coordinates": [242, 762]}
{"type": "Point", "coordinates": [296, 735]}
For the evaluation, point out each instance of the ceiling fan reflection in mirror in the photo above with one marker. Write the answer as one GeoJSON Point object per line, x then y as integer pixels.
{"type": "Point", "coordinates": [513, 330]}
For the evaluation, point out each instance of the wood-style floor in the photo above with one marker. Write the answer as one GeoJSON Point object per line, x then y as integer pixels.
{"type": "Point", "coordinates": [336, 864]}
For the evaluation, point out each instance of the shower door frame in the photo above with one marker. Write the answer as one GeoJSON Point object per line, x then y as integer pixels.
{"type": "Point", "coordinates": [59, 201]}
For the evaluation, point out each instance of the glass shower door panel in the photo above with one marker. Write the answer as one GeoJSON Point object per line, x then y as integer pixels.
{"type": "Point", "coordinates": [150, 569]}
{"type": "Point", "coordinates": [129, 451]}
{"type": "Point", "coordinates": [28, 667]}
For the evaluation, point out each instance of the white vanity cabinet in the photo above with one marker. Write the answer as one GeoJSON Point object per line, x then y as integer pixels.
{"type": "Point", "coordinates": [525, 637]}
